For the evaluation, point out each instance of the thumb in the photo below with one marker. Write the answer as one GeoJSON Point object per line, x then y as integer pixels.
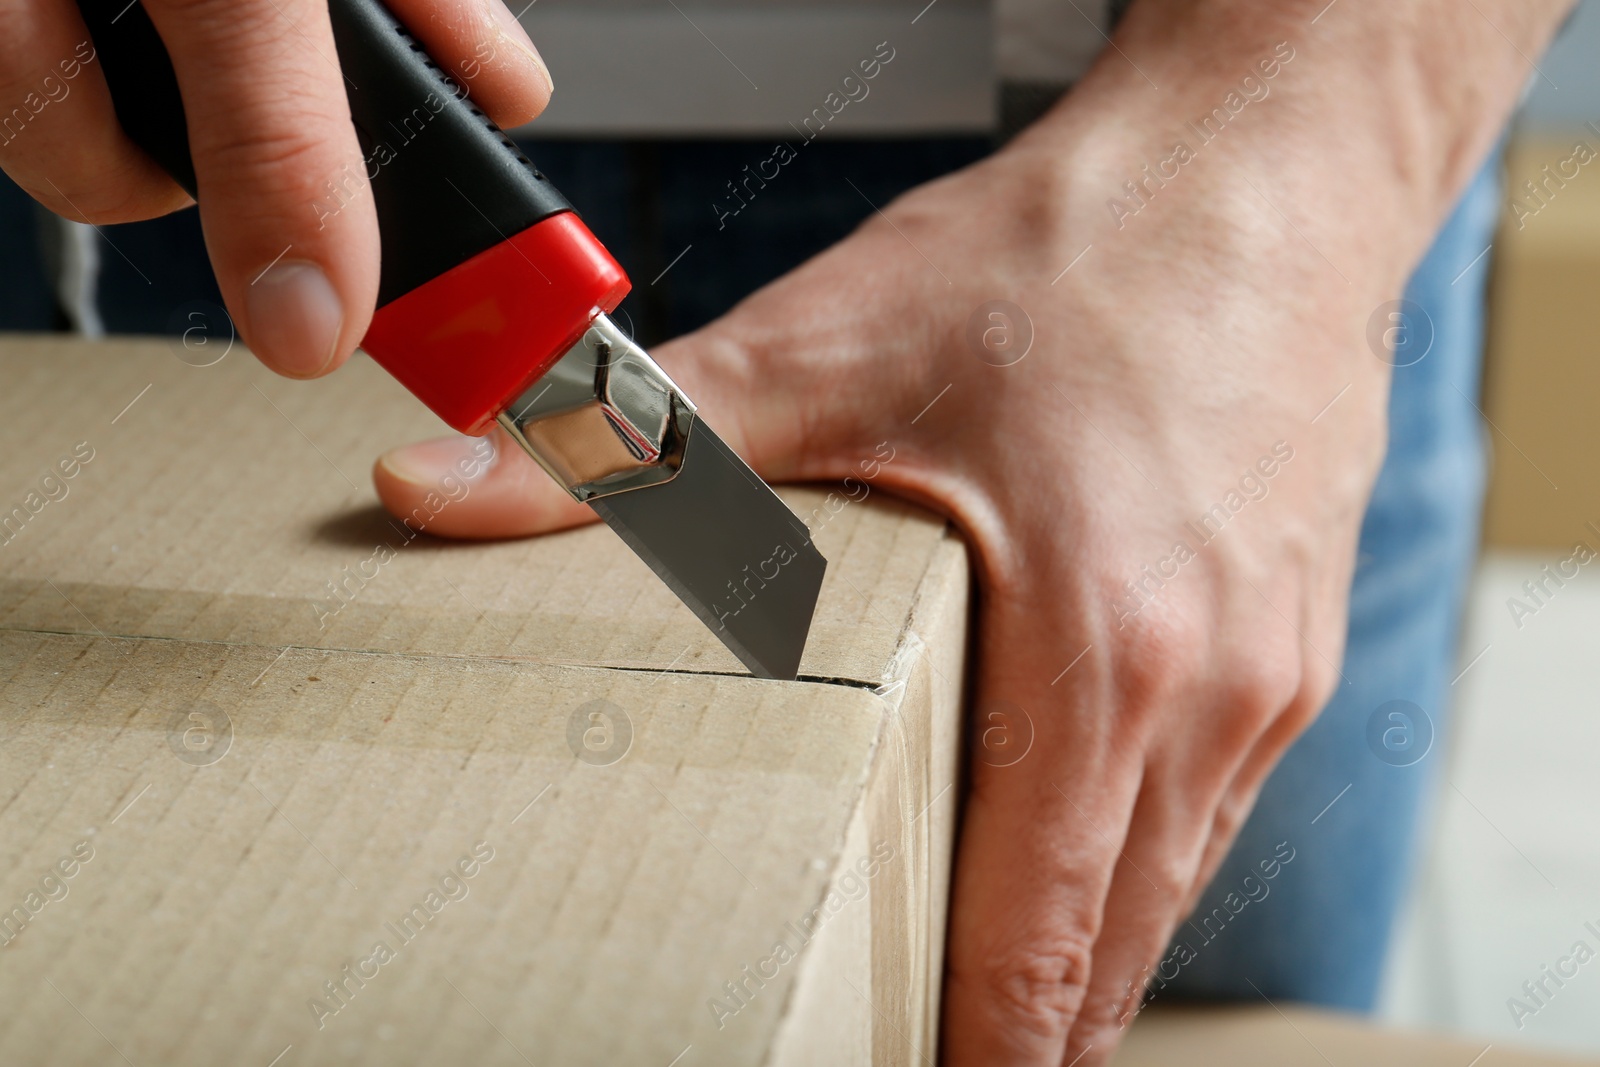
{"type": "Point", "coordinates": [473, 488]}
{"type": "Point", "coordinates": [461, 487]}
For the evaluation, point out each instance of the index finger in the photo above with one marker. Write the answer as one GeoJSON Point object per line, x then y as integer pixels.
{"type": "Point", "coordinates": [270, 135]}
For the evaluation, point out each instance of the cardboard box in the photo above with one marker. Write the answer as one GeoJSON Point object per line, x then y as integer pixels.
{"type": "Point", "coordinates": [579, 831]}
{"type": "Point", "coordinates": [284, 785]}
{"type": "Point", "coordinates": [1542, 378]}
{"type": "Point", "coordinates": [1282, 1035]}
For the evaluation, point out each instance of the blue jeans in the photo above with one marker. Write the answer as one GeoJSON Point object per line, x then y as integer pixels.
{"type": "Point", "coordinates": [1320, 931]}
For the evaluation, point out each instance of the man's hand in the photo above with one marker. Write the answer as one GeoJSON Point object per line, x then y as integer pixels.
{"type": "Point", "coordinates": [1163, 496]}
{"type": "Point", "coordinates": [269, 129]}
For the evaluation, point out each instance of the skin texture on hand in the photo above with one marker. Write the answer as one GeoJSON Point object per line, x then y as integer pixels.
{"type": "Point", "coordinates": [1163, 496]}
{"type": "Point", "coordinates": [270, 133]}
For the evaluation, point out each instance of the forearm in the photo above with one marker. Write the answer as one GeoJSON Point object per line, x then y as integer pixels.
{"type": "Point", "coordinates": [1363, 139]}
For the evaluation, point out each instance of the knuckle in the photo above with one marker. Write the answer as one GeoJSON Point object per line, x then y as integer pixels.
{"type": "Point", "coordinates": [1033, 180]}
{"type": "Point", "coordinates": [273, 125]}
{"type": "Point", "coordinates": [1159, 652]}
{"type": "Point", "coordinates": [1169, 871]}
{"type": "Point", "coordinates": [1264, 684]}
{"type": "Point", "coordinates": [274, 164]}
{"type": "Point", "coordinates": [282, 145]}
{"type": "Point", "coordinates": [1103, 1019]}
{"type": "Point", "coordinates": [1317, 683]}
{"type": "Point", "coordinates": [1035, 989]}
{"type": "Point", "coordinates": [1232, 811]}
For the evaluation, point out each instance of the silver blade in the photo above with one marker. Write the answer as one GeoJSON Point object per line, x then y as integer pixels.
{"type": "Point", "coordinates": [730, 548]}
{"type": "Point", "coordinates": [608, 424]}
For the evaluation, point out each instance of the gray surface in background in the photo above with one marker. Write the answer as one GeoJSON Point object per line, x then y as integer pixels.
{"type": "Point", "coordinates": [739, 72]}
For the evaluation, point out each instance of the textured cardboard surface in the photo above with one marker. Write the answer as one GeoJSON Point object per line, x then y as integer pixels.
{"type": "Point", "coordinates": [262, 799]}
{"type": "Point", "coordinates": [220, 901]}
{"type": "Point", "coordinates": [221, 505]}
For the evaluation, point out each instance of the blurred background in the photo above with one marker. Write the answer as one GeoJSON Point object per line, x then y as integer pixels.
{"type": "Point", "coordinates": [1513, 866]}
{"type": "Point", "coordinates": [1511, 875]}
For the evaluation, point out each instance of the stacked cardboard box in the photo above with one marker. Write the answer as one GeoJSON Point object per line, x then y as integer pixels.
{"type": "Point", "coordinates": [1543, 375]}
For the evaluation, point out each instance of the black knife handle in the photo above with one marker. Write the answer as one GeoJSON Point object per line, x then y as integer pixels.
{"type": "Point", "coordinates": [446, 181]}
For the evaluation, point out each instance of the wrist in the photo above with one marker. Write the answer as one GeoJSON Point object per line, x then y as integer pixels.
{"type": "Point", "coordinates": [1360, 128]}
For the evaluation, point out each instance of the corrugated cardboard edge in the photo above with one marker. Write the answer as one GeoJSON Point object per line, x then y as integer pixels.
{"type": "Point", "coordinates": [868, 991]}
{"type": "Point", "coordinates": [906, 793]}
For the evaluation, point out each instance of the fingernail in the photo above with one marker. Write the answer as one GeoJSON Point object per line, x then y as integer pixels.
{"type": "Point", "coordinates": [511, 28]}
{"type": "Point", "coordinates": [427, 463]}
{"type": "Point", "coordinates": [294, 318]}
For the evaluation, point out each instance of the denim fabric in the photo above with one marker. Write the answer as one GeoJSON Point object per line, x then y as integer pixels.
{"type": "Point", "coordinates": [1320, 932]}
{"type": "Point", "coordinates": [1320, 928]}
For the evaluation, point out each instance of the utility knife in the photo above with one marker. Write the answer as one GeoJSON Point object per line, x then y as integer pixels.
{"type": "Point", "coordinates": [494, 308]}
